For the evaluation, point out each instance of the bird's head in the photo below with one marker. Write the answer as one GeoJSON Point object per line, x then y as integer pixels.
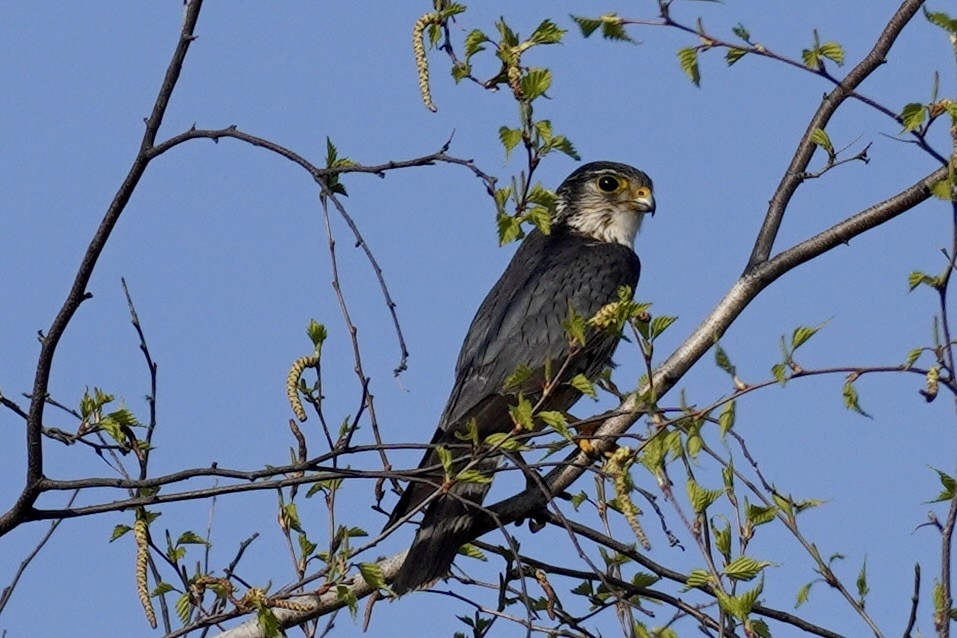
{"type": "Point", "coordinates": [605, 201]}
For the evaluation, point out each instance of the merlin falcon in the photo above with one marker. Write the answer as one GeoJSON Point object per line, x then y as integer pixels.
{"type": "Point", "coordinates": [581, 264]}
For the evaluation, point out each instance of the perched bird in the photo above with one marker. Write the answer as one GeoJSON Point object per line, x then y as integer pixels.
{"type": "Point", "coordinates": [581, 263]}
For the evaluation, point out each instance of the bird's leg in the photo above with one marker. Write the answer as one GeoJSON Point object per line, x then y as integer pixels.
{"type": "Point", "coordinates": [586, 429]}
{"type": "Point", "coordinates": [533, 481]}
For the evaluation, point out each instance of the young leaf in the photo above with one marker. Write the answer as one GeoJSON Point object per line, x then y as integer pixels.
{"type": "Point", "coordinates": [587, 25]}
{"type": "Point", "coordinates": [535, 82]}
{"type": "Point", "coordinates": [474, 41]}
{"type": "Point", "coordinates": [723, 361]}
{"type": "Point", "coordinates": [510, 137]}
{"type": "Point", "coordinates": [509, 229]}
{"type": "Point", "coordinates": [372, 574]}
{"type": "Point", "coordinates": [948, 483]}
{"type": "Point", "coordinates": [832, 51]}
{"type": "Point", "coordinates": [521, 413]}
{"type": "Point", "coordinates": [726, 418]}
{"type": "Point", "coordinates": [820, 137]}
{"type": "Point", "coordinates": [942, 20]}
{"type": "Point", "coordinates": [912, 116]}
{"type": "Point", "coordinates": [522, 374]}
{"type": "Point", "coordinates": [802, 334]}
{"type": "Point", "coordinates": [581, 383]}
{"type": "Point", "coordinates": [547, 33]}
{"type": "Point", "coordinates": [504, 441]}
{"type": "Point", "coordinates": [556, 420]}
{"type": "Point", "coordinates": [862, 588]}
{"type": "Point", "coordinates": [688, 58]}
{"type": "Point", "coordinates": [741, 32]}
{"type": "Point", "coordinates": [744, 568]}
{"type": "Point", "coordinates": [851, 401]}
{"type": "Point", "coordinates": [734, 54]}
{"type": "Point", "coordinates": [700, 497]}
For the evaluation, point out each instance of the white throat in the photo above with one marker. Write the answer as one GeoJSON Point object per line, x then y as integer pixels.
{"type": "Point", "coordinates": [614, 227]}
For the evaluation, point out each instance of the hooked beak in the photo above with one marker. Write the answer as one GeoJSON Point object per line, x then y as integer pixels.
{"type": "Point", "coordinates": [643, 201]}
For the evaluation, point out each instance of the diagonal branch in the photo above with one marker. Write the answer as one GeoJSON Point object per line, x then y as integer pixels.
{"type": "Point", "coordinates": [794, 175]}
{"type": "Point", "coordinates": [78, 292]}
{"type": "Point", "coordinates": [533, 499]}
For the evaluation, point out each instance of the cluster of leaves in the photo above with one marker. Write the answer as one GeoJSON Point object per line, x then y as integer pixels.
{"type": "Point", "coordinates": [118, 424]}
{"type": "Point", "coordinates": [523, 200]}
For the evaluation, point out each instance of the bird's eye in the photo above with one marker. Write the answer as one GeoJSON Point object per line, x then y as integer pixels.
{"type": "Point", "coordinates": [608, 183]}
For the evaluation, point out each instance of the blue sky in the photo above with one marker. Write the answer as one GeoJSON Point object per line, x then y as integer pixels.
{"type": "Point", "coordinates": [223, 249]}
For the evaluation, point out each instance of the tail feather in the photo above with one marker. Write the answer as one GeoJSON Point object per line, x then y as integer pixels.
{"type": "Point", "coordinates": [444, 529]}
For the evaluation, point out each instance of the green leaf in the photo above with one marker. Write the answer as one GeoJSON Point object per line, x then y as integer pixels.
{"type": "Point", "coordinates": [306, 546]}
{"type": "Point", "coordinates": [779, 370]}
{"type": "Point", "coordinates": [317, 333]}
{"type": "Point", "coordinates": [522, 374]}
{"type": "Point", "coordinates": [948, 484]}
{"type": "Point", "coordinates": [574, 326]}
{"type": "Point", "coordinates": [541, 218]}
{"type": "Point", "coordinates": [160, 589]}
{"type": "Point", "coordinates": [505, 441]}
{"type": "Point", "coordinates": [644, 579]}
{"type": "Point", "coordinates": [942, 20]}
{"type": "Point", "coordinates": [726, 418]}
{"type": "Point", "coordinates": [118, 531]}
{"type": "Point", "coordinates": [564, 145]}
{"type": "Point", "coordinates": [190, 538]}
{"type": "Point", "coordinates": [556, 420]}
{"type": "Point", "coordinates": [346, 596]}
{"type": "Point", "coordinates": [851, 400]}
{"type": "Point", "coordinates": [521, 413]}
{"type": "Point", "coordinates": [912, 116]}
{"type": "Point", "coordinates": [538, 194]}
{"type": "Point", "coordinates": [660, 324]}
{"type": "Point", "coordinates": [918, 278]}
{"type": "Point", "coordinates": [688, 58]}
{"type": "Point", "coordinates": [510, 137]}
{"type": "Point", "coordinates": [509, 229]}
{"type": "Point", "coordinates": [535, 82]}
{"type": "Point", "coordinates": [509, 39]}
{"type": "Point", "coordinates": [862, 588]}
{"type": "Point", "coordinates": [722, 539]}
{"type": "Point", "coordinates": [741, 32]}
{"type": "Point", "coordinates": [587, 25]}
{"type": "Point", "coordinates": [801, 334]}
{"type": "Point", "coordinates": [697, 578]}
{"type": "Point", "coordinates": [291, 515]}
{"type": "Point", "coordinates": [472, 551]}
{"type": "Point", "coordinates": [734, 54]}
{"type": "Point", "coordinates": [744, 568]}
{"type": "Point", "coordinates": [700, 497]}
{"type": "Point", "coordinates": [183, 608]}
{"type": "Point", "coordinates": [445, 458]}
{"type": "Point", "coordinates": [832, 51]}
{"type": "Point", "coordinates": [943, 189]}
{"type": "Point", "coordinates": [803, 593]}
{"type": "Point", "coordinates": [724, 362]}
{"type": "Point", "coordinates": [912, 357]}
{"type": "Point", "coordinates": [547, 33]}
{"type": "Point", "coordinates": [474, 41]}
{"type": "Point", "coordinates": [460, 71]}
{"type": "Point", "coordinates": [581, 383]}
{"type": "Point", "coordinates": [372, 574]}
{"type": "Point", "coordinates": [578, 499]}
{"type": "Point", "coordinates": [759, 515]}
{"type": "Point", "coordinates": [473, 476]}
{"type": "Point", "coordinates": [820, 137]}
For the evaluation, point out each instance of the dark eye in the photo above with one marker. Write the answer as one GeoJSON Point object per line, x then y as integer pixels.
{"type": "Point", "coordinates": [608, 184]}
